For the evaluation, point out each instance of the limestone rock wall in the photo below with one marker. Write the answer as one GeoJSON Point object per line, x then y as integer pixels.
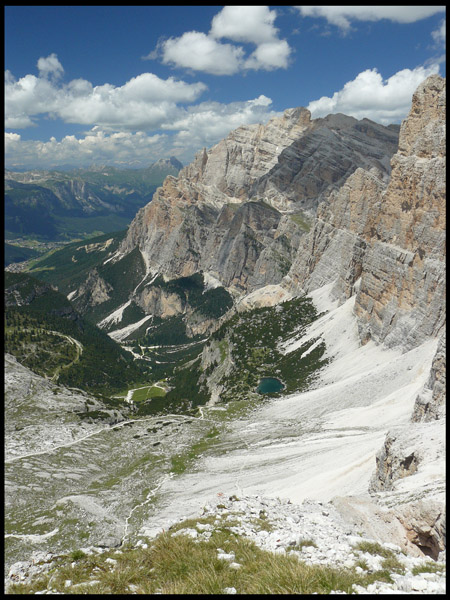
{"type": "Point", "coordinates": [430, 404]}
{"type": "Point", "coordinates": [324, 157]}
{"type": "Point", "coordinates": [390, 239]}
{"type": "Point", "coordinates": [335, 248]}
{"type": "Point", "coordinates": [402, 293]}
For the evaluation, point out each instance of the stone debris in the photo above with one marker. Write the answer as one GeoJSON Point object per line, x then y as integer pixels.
{"type": "Point", "coordinates": [224, 556]}
{"type": "Point", "coordinates": [315, 532]}
{"type": "Point", "coordinates": [187, 531]}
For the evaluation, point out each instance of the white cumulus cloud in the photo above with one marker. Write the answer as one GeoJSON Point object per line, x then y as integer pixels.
{"type": "Point", "coordinates": [368, 95]}
{"type": "Point", "coordinates": [121, 119]}
{"type": "Point", "coordinates": [342, 16]}
{"type": "Point", "coordinates": [197, 51]}
{"type": "Point", "coordinates": [269, 56]}
{"type": "Point", "coordinates": [143, 102]}
{"type": "Point", "coordinates": [245, 24]}
{"type": "Point", "coordinates": [209, 122]}
{"type": "Point", "coordinates": [50, 66]}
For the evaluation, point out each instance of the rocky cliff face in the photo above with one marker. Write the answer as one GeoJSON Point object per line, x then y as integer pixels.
{"type": "Point", "coordinates": [403, 285]}
{"type": "Point", "coordinates": [430, 404]}
{"type": "Point", "coordinates": [389, 238]}
{"type": "Point", "coordinates": [323, 158]}
{"type": "Point", "coordinates": [224, 213]}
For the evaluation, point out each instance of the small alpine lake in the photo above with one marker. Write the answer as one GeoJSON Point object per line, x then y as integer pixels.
{"type": "Point", "coordinates": [269, 385]}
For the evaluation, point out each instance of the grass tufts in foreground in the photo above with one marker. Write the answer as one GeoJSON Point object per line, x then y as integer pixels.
{"type": "Point", "coordinates": [179, 564]}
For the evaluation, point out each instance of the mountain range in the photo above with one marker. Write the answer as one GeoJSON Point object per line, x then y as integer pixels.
{"type": "Point", "coordinates": [55, 205]}
{"type": "Point", "coordinates": [307, 250]}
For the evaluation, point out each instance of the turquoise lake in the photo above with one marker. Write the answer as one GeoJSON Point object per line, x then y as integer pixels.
{"type": "Point", "coordinates": [269, 385]}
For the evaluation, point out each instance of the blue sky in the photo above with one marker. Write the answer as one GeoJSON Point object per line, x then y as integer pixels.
{"type": "Point", "coordinates": [128, 85]}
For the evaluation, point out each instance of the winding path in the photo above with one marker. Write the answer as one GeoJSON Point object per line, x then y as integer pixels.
{"type": "Point", "coordinates": [108, 428]}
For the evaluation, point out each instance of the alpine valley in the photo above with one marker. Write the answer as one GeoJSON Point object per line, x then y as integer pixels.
{"type": "Point", "coordinates": [44, 209]}
{"type": "Point", "coordinates": [305, 252]}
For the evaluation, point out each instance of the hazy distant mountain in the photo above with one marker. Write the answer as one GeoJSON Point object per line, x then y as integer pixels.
{"type": "Point", "coordinates": [71, 203]}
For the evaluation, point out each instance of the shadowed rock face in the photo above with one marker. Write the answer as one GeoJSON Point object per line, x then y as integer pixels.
{"type": "Point", "coordinates": [430, 404]}
{"type": "Point", "coordinates": [323, 158]}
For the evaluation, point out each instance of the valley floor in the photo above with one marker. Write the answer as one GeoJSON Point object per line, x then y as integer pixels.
{"type": "Point", "coordinates": [308, 447]}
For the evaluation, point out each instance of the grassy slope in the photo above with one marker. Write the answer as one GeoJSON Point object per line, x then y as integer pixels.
{"type": "Point", "coordinates": [67, 267]}
{"type": "Point", "coordinates": [182, 565]}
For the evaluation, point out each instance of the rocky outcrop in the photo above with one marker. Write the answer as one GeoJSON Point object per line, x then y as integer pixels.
{"type": "Point", "coordinates": [409, 479]}
{"type": "Point", "coordinates": [93, 291]}
{"type": "Point", "coordinates": [402, 293]}
{"type": "Point", "coordinates": [217, 363]}
{"type": "Point", "coordinates": [430, 404]}
{"type": "Point", "coordinates": [160, 303]}
{"type": "Point", "coordinates": [425, 526]}
{"type": "Point", "coordinates": [406, 451]}
{"type": "Point", "coordinates": [40, 415]}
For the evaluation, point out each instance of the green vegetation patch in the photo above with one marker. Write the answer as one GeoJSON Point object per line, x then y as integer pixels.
{"type": "Point", "coordinates": [300, 220]}
{"type": "Point", "coordinates": [146, 393]}
{"type": "Point", "coordinates": [181, 565]}
{"type": "Point", "coordinates": [166, 332]}
{"type": "Point", "coordinates": [121, 277]}
{"type": "Point", "coordinates": [212, 303]}
{"type": "Point", "coordinates": [45, 333]}
{"type": "Point", "coordinates": [185, 393]}
{"type": "Point", "coordinates": [252, 338]}
{"type": "Point", "coordinates": [375, 548]}
{"type": "Point", "coordinates": [430, 567]}
{"type": "Point", "coordinates": [68, 267]}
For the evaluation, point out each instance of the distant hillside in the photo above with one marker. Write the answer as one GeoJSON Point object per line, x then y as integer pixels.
{"type": "Point", "coordinates": [46, 334]}
{"type": "Point", "coordinates": [58, 205]}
